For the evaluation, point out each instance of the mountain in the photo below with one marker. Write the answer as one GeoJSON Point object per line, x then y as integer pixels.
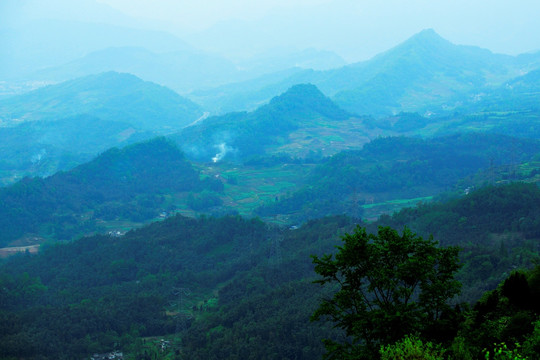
{"type": "Point", "coordinates": [246, 95]}
{"type": "Point", "coordinates": [41, 148]}
{"type": "Point", "coordinates": [182, 71]}
{"type": "Point", "coordinates": [521, 93]}
{"type": "Point", "coordinates": [424, 70]}
{"type": "Point", "coordinates": [126, 184]}
{"type": "Point", "coordinates": [109, 96]}
{"type": "Point", "coordinates": [240, 135]}
{"type": "Point", "coordinates": [425, 74]}
{"type": "Point", "coordinates": [34, 45]}
{"type": "Point", "coordinates": [185, 71]}
{"type": "Point", "coordinates": [389, 173]}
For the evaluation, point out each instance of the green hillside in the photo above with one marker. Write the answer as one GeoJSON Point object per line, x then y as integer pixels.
{"type": "Point", "coordinates": [110, 96]}
{"type": "Point", "coordinates": [202, 284]}
{"type": "Point", "coordinates": [241, 135]}
{"type": "Point", "coordinates": [128, 184]}
{"type": "Point", "coordinates": [388, 169]}
{"type": "Point", "coordinates": [41, 148]}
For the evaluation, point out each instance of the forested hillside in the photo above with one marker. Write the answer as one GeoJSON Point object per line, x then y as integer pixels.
{"type": "Point", "coordinates": [41, 148]}
{"type": "Point", "coordinates": [397, 168]}
{"type": "Point", "coordinates": [242, 135]}
{"type": "Point", "coordinates": [205, 283]}
{"type": "Point", "coordinates": [128, 184]}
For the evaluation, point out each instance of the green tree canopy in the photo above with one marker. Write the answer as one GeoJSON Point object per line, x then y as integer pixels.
{"type": "Point", "coordinates": [388, 286]}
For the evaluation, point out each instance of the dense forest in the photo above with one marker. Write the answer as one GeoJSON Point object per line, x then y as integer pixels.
{"type": "Point", "coordinates": [128, 183]}
{"type": "Point", "coordinates": [206, 283]}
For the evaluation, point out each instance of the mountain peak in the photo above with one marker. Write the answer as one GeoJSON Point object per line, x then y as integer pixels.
{"type": "Point", "coordinates": [428, 33]}
{"type": "Point", "coordinates": [428, 37]}
{"type": "Point", "coordinates": [306, 97]}
{"type": "Point", "coordinates": [423, 44]}
{"type": "Point", "coordinates": [302, 91]}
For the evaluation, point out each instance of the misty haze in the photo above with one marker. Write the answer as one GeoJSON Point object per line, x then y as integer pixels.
{"type": "Point", "coordinates": [300, 179]}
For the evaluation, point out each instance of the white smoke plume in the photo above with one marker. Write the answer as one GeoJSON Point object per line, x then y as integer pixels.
{"type": "Point", "coordinates": [223, 150]}
{"type": "Point", "coordinates": [36, 158]}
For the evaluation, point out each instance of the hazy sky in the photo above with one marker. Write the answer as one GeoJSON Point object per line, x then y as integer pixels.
{"type": "Point", "coordinates": [355, 29]}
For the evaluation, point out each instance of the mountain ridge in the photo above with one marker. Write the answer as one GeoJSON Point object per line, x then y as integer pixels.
{"type": "Point", "coordinates": [110, 96]}
{"type": "Point", "coordinates": [408, 77]}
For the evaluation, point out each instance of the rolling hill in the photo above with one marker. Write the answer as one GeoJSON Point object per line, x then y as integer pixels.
{"type": "Point", "coordinates": [244, 134]}
{"type": "Point", "coordinates": [110, 96]}
{"type": "Point", "coordinates": [392, 172]}
{"type": "Point", "coordinates": [41, 148]}
{"type": "Point", "coordinates": [120, 184]}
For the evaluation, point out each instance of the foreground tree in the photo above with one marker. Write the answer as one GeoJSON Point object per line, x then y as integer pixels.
{"type": "Point", "coordinates": [388, 286]}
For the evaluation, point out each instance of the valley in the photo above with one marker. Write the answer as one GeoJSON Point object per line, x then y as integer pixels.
{"type": "Point", "coordinates": [159, 201]}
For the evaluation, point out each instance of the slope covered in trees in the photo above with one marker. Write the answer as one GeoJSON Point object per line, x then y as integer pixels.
{"type": "Point", "coordinates": [127, 183]}
{"type": "Point", "coordinates": [41, 148]}
{"type": "Point", "coordinates": [248, 281]}
{"type": "Point", "coordinates": [77, 299]}
{"type": "Point", "coordinates": [396, 168]}
{"type": "Point", "coordinates": [251, 312]}
{"type": "Point", "coordinates": [241, 135]}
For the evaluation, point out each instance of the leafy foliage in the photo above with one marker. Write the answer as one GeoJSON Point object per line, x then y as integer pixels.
{"type": "Point", "coordinates": [501, 352]}
{"type": "Point", "coordinates": [411, 348]}
{"type": "Point", "coordinates": [388, 286]}
{"type": "Point", "coordinates": [496, 226]}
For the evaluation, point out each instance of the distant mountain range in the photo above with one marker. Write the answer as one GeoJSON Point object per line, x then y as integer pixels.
{"type": "Point", "coordinates": [426, 74]}
{"type": "Point", "coordinates": [38, 44]}
{"type": "Point", "coordinates": [184, 70]}
{"type": "Point", "coordinates": [181, 70]}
